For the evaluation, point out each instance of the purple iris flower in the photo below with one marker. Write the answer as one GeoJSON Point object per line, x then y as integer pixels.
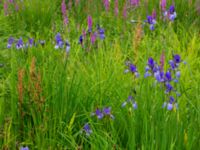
{"type": "Point", "coordinates": [67, 46]}
{"type": "Point", "coordinates": [178, 74]}
{"type": "Point", "coordinates": [24, 148]}
{"type": "Point", "coordinates": [87, 129]}
{"type": "Point", "coordinates": [20, 44]}
{"type": "Point", "coordinates": [151, 21]}
{"type": "Point", "coordinates": [177, 58]}
{"type": "Point", "coordinates": [168, 76]}
{"type": "Point", "coordinates": [59, 41]}
{"type": "Point", "coordinates": [134, 105]}
{"type": "Point", "coordinates": [31, 42]}
{"type": "Point", "coordinates": [81, 40]}
{"type": "Point", "coordinates": [159, 75]}
{"type": "Point", "coordinates": [172, 64]}
{"type": "Point", "coordinates": [10, 42]}
{"type": "Point", "coordinates": [99, 114]}
{"type": "Point", "coordinates": [169, 106]}
{"type": "Point", "coordinates": [130, 100]}
{"type": "Point", "coordinates": [107, 112]}
{"type": "Point", "coordinates": [172, 13]}
{"type": "Point", "coordinates": [169, 87]}
{"type": "Point", "coordinates": [101, 34]}
{"type": "Point", "coordinates": [171, 9]}
{"type": "Point", "coordinates": [151, 62]}
{"type": "Point", "coordinates": [171, 99]}
{"type": "Point", "coordinates": [133, 68]}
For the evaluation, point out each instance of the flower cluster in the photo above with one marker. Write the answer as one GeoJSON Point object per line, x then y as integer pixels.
{"type": "Point", "coordinates": [64, 12]}
{"type": "Point", "coordinates": [167, 78]}
{"type": "Point", "coordinates": [60, 44]}
{"type": "Point", "coordinates": [151, 20]}
{"type": "Point", "coordinates": [134, 2]}
{"type": "Point", "coordinates": [19, 44]}
{"type": "Point", "coordinates": [87, 129]}
{"type": "Point", "coordinates": [171, 13]}
{"type": "Point", "coordinates": [100, 114]}
{"type": "Point", "coordinates": [93, 35]}
{"type": "Point", "coordinates": [105, 112]}
{"type": "Point", "coordinates": [131, 101]}
{"type": "Point", "coordinates": [24, 148]}
{"type": "Point", "coordinates": [131, 68]}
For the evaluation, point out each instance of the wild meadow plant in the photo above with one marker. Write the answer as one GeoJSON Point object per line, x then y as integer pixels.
{"type": "Point", "coordinates": [50, 100]}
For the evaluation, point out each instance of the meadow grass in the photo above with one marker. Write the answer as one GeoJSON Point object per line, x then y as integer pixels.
{"type": "Point", "coordinates": [46, 95]}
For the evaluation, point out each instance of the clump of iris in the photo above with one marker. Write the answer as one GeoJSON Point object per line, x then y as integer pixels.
{"type": "Point", "coordinates": [20, 44]}
{"type": "Point", "coordinates": [171, 13]}
{"type": "Point", "coordinates": [61, 44]}
{"type": "Point", "coordinates": [103, 113]}
{"type": "Point", "coordinates": [87, 129]}
{"type": "Point", "coordinates": [166, 79]}
{"type": "Point", "coordinates": [91, 34]}
{"type": "Point", "coordinates": [151, 20]}
{"type": "Point", "coordinates": [130, 100]}
{"type": "Point", "coordinates": [131, 68]}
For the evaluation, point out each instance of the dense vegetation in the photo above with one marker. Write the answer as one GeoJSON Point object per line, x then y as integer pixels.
{"type": "Point", "coordinates": [99, 74]}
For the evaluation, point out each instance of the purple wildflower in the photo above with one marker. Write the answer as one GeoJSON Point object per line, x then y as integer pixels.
{"type": "Point", "coordinates": [177, 58]}
{"type": "Point", "coordinates": [93, 37]}
{"type": "Point", "coordinates": [134, 2]}
{"type": "Point", "coordinates": [151, 63]}
{"type": "Point", "coordinates": [99, 114]}
{"type": "Point", "coordinates": [178, 74]}
{"type": "Point", "coordinates": [116, 8]}
{"type": "Point", "coordinates": [134, 105]}
{"type": "Point", "coordinates": [168, 76]}
{"type": "Point", "coordinates": [10, 42]}
{"type": "Point", "coordinates": [125, 12]}
{"type": "Point", "coordinates": [59, 41]}
{"type": "Point", "coordinates": [172, 13]}
{"type": "Point", "coordinates": [169, 106]}
{"type": "Point", "coordinates": [5, 7]}
{"type": "Point", "coordinates": [159, 76]}
{"type": "Point", "coordinates": [24, 148]}
{"type": "Point", "coordinates": [107, 112]}
{"type": "Point", "coordinates": [101, 33]}
{"type": "Point", "coordinates": [162, 61]}
{"type": "Point", "coordinates": [31, 42]}
{"type": "Point", "coordinates": [151, 21]}
{"type": "Point", "coordinates": [87, 129]}
{"type": "Point", "coordinates": [20, 44]}
{"type": "Point", "coordinates": [133, 68]}
{"type": "Point", "coordinates": [64, 12]}
{"type": "Point", "coordinates": [106, 4]}
{"type": "Point", "coordinates": [163, 4]}
{"type": "Point", "coordinates": [169, 87]}
{"type": "Point", "coordinates": [81, 39]}
{"type": "Point", "coordinates": [67, 46]}
{"type": "Point", "coordinates": [154, 14]}
{"type": "Point", "coordinates": [89, 19]}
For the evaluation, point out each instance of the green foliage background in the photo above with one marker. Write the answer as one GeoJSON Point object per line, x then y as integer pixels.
{"type": "Point", "coordinates": [72, 86]}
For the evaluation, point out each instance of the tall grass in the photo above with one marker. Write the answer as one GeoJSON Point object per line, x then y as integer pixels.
{"type": "Point", "coordinates": [47, 96]}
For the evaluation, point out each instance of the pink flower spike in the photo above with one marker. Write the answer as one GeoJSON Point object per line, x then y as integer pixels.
{"type": "Point", "coordinates": [116, 8]}
{"type": "Point", "coordinates": [125, 12]}
{"type": "Point", "coordinates": [89, 19]}
{"type": "Point", "coordinates": [154, 14]}
{"type": "Point", "coordinates": [106, 4]}
{"type": "Point", "coordinates": [163, 4]}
